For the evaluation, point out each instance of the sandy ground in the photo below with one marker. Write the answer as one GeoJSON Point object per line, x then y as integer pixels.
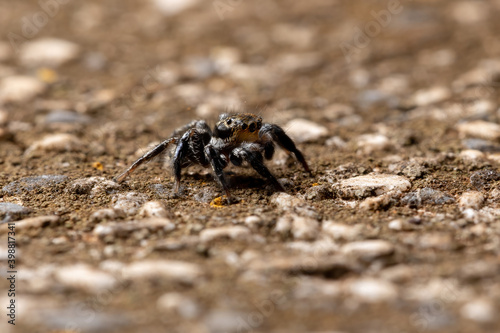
{"type": "Point", "coordinates": [400, 93]}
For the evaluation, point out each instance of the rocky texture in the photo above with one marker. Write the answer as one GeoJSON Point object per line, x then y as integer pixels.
{"type": "Point", "coordinates": [371, 185]}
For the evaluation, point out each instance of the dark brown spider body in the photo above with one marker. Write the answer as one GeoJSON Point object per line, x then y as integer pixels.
{"type": "Point", "coordinates": [236, 138]}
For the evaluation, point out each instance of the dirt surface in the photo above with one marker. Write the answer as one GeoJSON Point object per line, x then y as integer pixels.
{"type": "Point", "coordinates": [400, 88]}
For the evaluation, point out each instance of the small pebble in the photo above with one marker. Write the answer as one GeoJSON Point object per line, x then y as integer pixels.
{"type": "Point", "coordinates": [369, 143]}
{"type": "Point", "coordinates": [286, 201]}
{"type": "Point", "coordinates": [32, 223]}
{"type": "Point", "coordinates": [176, 271]}
{"type": "Point", "coordinates": [178, 303]}
{"type": "Point", "coordinates": [29, 184]}
{"type": "Point", "coordinates": [64, 116]}
{"type": "Point", "coordinates": [253, 222]}
{"type": "Point", "coordinates": [232, 232]}
{"type": "Point", "coordinates": [304, 228]}
{"type": "Point", "coordinates": [83, 276]}
{"type": "Point", "coordinates": [50, 52]}
{"type": "Point", "coordinates": [339, 231]}
{"type": "Point", "coordinates": [472, 199]}
{"type": "Point", "coordinates": [480, 129]}
{"type": "Point", "coordinates": [227, 321]}
{"type": "Point", "coordinates": [480, 310]}
{"type": "Point", "coordinates": [129, 202]}
{"type": "Point", "coordinates": [20, 89]}
{"type": "Point", "coordinates": [471, 155]}
{"type": "Point", "coordinates": [10, 211]}
{"type": "Point", "coordinates": [368, 249]}
{"type": "Point", "coordinates": [484, 179]}
{"type": "Point", "coordinates": [431, 96]}
{"type": "Point", "coordinates": [153, 209]}
{"type": "Point", "coordinates": [371, 185]}
{"type": "Point", "coordinates": [426, 195]}
{"type": "Point", "coordinates": [297, 62]}
{"type": "Point", "coordinates": [302, 130]}
{"type": "Point", "coordinates": [173, 7]}
{"type": "Point", "coordinates": [62, 142]}
{"type": "Point", "coordinates": [372, 290]}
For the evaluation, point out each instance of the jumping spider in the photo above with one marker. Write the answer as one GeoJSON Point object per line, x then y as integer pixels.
{"type": "Point", "coordinates": [235, 138]}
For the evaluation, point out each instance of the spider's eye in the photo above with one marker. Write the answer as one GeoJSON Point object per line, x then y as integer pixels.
{"type": "Point", "coordinates": [252, 127]}
{"type": "Point", "coordinates": [229, 121]}
{"type": "Point", "coordinates": [244, 126]}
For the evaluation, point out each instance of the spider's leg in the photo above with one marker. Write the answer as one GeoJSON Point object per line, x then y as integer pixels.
{"type": "Point", "coordinates": [254, 157]}
{"type": "Point", "coordinates": [279, 136]}
{"type": "Point", "coordinates": [218, 164]}
{"type": "Point", "coordinates": [145, 158]}
{"type": "Point", "coordinates": [190, 148]}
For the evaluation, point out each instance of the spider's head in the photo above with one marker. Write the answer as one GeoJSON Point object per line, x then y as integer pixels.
{"type": "Point", "coordinates": [238, 127]}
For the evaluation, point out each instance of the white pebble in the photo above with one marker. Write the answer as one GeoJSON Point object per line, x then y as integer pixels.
{"type": "Point", "coordinates": [303, 130]}
{"type": "Point", "coordinates": [19, 89]}
{"type": "Point", "coordinates": [83, 276]}
{"type": "Point", "coordinates": [286, 201]}
{"type": "Point", "coordinates": [283, 225]}
{"type": "Point", "coordinates": [369, 143]}
{"type": "Point", "coordinates": [172, 7]}
{"type": "Point", "coordinates": [471, 155]}
{"type": "Point", "coordinates": [480, 310]}
{"type": "Point", "coordinates": [373, 290]}
{"type": "Point", "coordinates": [177, 271]}
{"type": "Point", "coordinates": [471, 199]}
{"type": "Point", "coordinates": [253, 221]}
{"type": "Point", "coordinates": [232, 232]}
{"type": "Point", "coordinates": [480, 129]}
{"type": "Point", "coordinates": [432, 95]}
{"type": "Point", "coordinates": [153, 209]}
{"type": "Point", "coordinates": [304, 228]}
{"type": "Point", "coordinates": [129, 202]}
{"type": "Point", "coordinates": [56, 142]}
{"type": "Point", "coordinates": [176, 302]}
{"type": "Point", "coordinates": [51, 52]}
{"type": "Point", "coordinates": [369, 185]}
{"type": "Point", "coordinates": [368, 249]}
{"type": "Point", "coordinates": [32, 223]}
{"type": "Point", "coordinates": [340, 231]}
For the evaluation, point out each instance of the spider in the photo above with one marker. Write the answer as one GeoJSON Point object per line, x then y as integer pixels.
{"type": "Point", "coordinates": [236, 138]}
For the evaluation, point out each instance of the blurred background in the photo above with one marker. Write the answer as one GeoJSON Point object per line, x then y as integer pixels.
{"type": "Point", "coordinates": [85, 86]}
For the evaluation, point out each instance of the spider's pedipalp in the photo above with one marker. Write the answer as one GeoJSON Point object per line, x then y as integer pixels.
{"type": "Point", "coordinates": [278, 135]}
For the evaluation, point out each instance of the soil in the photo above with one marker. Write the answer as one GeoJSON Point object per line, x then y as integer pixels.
{"type": "Point", "coordinates": [120, 82]}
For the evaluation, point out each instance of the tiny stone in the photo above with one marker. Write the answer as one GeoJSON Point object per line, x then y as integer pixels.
{"type": "Point", "coordinates": [153, 209]}
{"type": "Point", "coordinates": [176, 302]}
{"type": "Point", "coordinates": [426, 195]}
{"type": "Point", "coordinates": [29, 184]}
{"type": "Point", "coordinates": [318, 192]}
{"type": "Point", "coordinates": [371, 185]}
{"type": "Point", "coordinates": [10, 211]}
{"type": "Point", "coordinates": [337, 142]}
{"type": "Point", "coordinates": [484, 179]}
{"type": "Point", "coordinates": [19, 89]}
{"type": "Point", "coordinates": [368, 249]}
{"type": "Point", "coordinates": [480, 129]}
{"type": "Point", "coordinates": [105, 214]}
{"type": "Point", "coordinates": [227, 321]}
{"type": "Point", "coordinates": [233, 232]}
{"type": "Point", "coordinates": [56, 142]}
{"type": "Point", "coordinates": [284, 225]}
{"type": "Point", "coordinates": [479, 310]}
{"type": "Point", "coordinates": [369, 143]}
{"type": "Point", "coordinates": [50, 52]}
{"type": "Point", "coordinates": [173, 7]}
{"type": "Point", "coordinates": [302, 130]}
{"type": "Point", "coordinates": [471, 155]}
{"type": "Point", "coordinates": [304, 228]}
{"type": "Point", "coordinates": [431, 96]}
{"type": "Point", "coordinates": [472, 199]}
{"type": "Point", "coordinates": [33, 223]}
{"type": "Point", "coordinates": [129, 202]}
{"type": "Point", "coordinates": [177, 271]}
{"type": "Point", "coordinates": [83, 276]}
{"type": "Point", "coordinates": [63, 116]}
{"type": "Point", "coordinates": [373, 290]}
{"type": "Point", "coordinates": [339, 231]}
{"type": "Point", "coordinates": [286, 201]}
{"type": "Point", "coordinates": [253, 222]}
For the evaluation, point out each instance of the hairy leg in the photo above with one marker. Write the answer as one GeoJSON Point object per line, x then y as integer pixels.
{"type": "Point", "coordinates": [218, 164]}
{"type": "Point", "coordinates": [255, 159]}
{"type": "Point", "coordinates": [278, 135]}
{"type": "Point", "coordinates": [145, 158]}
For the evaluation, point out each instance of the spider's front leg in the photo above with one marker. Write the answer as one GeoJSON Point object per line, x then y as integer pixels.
{"type": "Point", "coordinates": [278, 135]}
{"type": "Point", "coordinates": [252, 154]}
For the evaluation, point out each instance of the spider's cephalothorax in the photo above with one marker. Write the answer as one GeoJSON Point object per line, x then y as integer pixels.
{"type": "Point", "coordinates": [235, 138]}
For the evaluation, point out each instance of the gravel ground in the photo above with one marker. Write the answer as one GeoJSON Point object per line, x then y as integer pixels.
{"type": "Point", "coordinates": [394, 104]}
